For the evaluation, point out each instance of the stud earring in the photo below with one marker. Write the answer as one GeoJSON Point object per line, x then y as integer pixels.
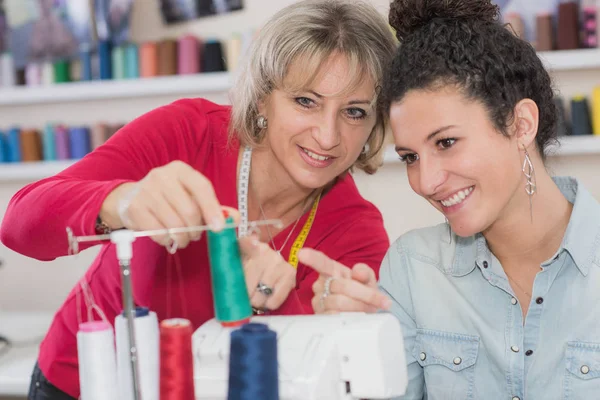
{"type": "Point", "coordinates": [261, 122]}
{"type": "Point", "coordinates": [530, 186]}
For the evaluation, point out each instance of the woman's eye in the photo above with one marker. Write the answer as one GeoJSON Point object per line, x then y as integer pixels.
{"type": "Point", "coordinates": [409, 158]}
{"type": "Point", "coordinates": [446, 143]}
{"type": "Point", "coordinates": [304, 101]}
{"type": "Point", "coordinates": [356, 113]}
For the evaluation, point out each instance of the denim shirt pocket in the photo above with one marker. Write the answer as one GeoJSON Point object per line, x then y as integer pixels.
{"type": "Point", "coordinates": [582, 370]}
{"type": "Point", "coordinates": [448, 362]}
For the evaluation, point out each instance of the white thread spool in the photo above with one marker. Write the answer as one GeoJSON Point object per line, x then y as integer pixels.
{"type": "Point", "coordinates": [47, 74]}
{"type": "Point", "coordinates": [147, 339]}
{"type": "Point", "coordinates": [97, 364]}
{"type": "Point", "coordinates": [33, 74]}
{"type": "Point", "coordinates": [7, 69]}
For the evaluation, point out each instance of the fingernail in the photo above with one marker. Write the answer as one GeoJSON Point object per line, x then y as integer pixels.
{"type": "Point", "coordinates": [217, 224]}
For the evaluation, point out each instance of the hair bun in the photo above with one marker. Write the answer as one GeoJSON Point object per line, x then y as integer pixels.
{"type": "Point", "coordinates": [407, 16]}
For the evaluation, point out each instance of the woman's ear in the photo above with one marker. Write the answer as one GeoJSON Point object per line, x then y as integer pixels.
{"type": "Point", "coordinates": [526, 122]}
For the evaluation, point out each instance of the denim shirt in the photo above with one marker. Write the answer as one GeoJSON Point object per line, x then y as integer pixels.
{"type": "Point", "coordinates": [463, 326]}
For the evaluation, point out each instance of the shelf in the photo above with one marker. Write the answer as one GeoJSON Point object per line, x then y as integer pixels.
{"type": "Point", "coordinates": [564, 60]}
{"type": "Point", "coordinates": [31, 171]}
{"type": "Point", "coordinates": [569, 146]}
{"type": "Point", "coordinates": [111, 89]}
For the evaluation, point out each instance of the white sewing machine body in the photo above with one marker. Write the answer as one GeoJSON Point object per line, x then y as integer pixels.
{"type": "Point", "coordinates": [330, 357]}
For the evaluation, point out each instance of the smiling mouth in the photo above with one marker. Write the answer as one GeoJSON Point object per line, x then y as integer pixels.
{"type": "Point", "coordinates": [457, 198]}
{"type": "Point", "coordinates": [315, 156]}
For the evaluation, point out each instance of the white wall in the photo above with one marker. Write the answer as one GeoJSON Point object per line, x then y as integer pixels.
{"type": "Point", "coordinates": [27, 284]}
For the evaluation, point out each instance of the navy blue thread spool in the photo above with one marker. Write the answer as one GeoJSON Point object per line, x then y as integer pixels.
{"type": "Point", "coordinates": [212, 58]}
{"type": "Point", "coordinates": [3, 148]}
{"type": "Point", "coordinates": [79, 140]}
{"type": "Point", "coordinates": [253, 367]}
{"type": "Point", "coordinates": [105, 59]}
{"type": "Point", "coordinates": [85, 57]}
{"type": "Point", "coordinates": [581, 123]}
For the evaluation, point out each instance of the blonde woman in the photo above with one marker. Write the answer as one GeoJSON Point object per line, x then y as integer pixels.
{"type": "Point", "coordinates": [303, 115]}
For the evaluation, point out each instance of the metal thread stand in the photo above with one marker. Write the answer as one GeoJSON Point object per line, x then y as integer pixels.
{"type": "Point", "coordinates": [123, 239]}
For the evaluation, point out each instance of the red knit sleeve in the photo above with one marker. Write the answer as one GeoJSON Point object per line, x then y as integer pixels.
{"type": "Point", "coordinates": [37, 216]}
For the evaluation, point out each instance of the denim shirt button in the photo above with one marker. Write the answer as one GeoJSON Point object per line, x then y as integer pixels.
{"type": "Point", "coordinates": [457, 361]}
{"type": "Point", "coordinates": [423, 356]}
{"type": "Point", "coordinates": [515, 349]}
{"type": "Point", "coordinates": [585, 369]}
{"type": "Point", "coordinates": [513, 301]}
{"type": "Point", "coordinates": [516, 398]}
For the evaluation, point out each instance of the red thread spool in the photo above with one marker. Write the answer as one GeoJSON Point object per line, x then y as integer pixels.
{"type": "Point", "coordinates": [176, 363]}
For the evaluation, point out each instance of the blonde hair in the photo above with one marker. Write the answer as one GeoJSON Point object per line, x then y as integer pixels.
{"type": "Point", "coordinates": [313, 30]}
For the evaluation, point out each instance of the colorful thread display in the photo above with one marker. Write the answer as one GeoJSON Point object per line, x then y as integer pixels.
{"type": "Point", "coordinates": [253, 367]}
{"type": "Point", "coordinates": [53, 142]}
{"type": "Point", "coordinates": [231, 301]}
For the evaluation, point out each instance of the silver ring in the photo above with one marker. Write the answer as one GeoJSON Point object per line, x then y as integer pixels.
{"type": "Point", "coordinates": [326, 292]}
{"type": "Point", "coordinates": [264, 289]}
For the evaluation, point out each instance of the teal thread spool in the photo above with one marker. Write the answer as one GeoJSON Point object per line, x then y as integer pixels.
{"type": "Point", "coordinates": [232, 304]}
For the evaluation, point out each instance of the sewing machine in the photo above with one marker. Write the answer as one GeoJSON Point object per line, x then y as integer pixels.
{"type": "Point", "coordinates": [348, 356]}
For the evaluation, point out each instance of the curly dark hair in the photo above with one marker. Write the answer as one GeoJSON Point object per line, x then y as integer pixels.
{"type": "Point", "coordinates": [463, 43]}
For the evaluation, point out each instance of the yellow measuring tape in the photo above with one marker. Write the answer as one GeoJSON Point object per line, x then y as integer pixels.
{"type": "Point", "coordinates": [299, 242]}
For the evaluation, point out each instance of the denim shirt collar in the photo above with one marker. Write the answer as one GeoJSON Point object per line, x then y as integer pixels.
{"type": "Point", "coordinates": [581, 240]}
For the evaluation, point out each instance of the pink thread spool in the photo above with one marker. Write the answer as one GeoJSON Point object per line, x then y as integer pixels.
{"type": "Point", "coordinates": [189, 55]}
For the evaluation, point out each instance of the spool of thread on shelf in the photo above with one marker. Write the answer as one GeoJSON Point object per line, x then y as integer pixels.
{"type": "Point", "coordinates": [85, 60]}
{"type": "Point", "coordinates": [31, 146]}
{"type": "Point", "coordinates": [590, 26]}
{"type": "Point", "coordinates": [97, 364]}
{"type": "Point", "coordinates": [118, 62]}
{"type": "Point", "coordinates": [580, 116]}
{"type": "Point", "coordinates": [596, 110]}
{"type": "Point", "coordinates": [148, 353]}
{"type": "Point", "coordinates": [253, 367]}
{"type": "Point", "coordinates": [98, 135]}
{"type": "Point", "coordinates": [79, 142]}
{"type": "Point", "coordinates": [544, 32]}
{"type": "Point", "coordinates": [47, 73]}
{"type": "Point", "coordinates": [568, 23]}
{"type": "Point", "coordinates": [61, 138]}
{"type": "Point", "coordinates": [4, 156]}
{"type": "Point", "coordinates": [188, 53]}
{"type": "Point", "coordinates": [231, 301]}
{"type": "Point", "coordinates": [167, 57]}
{"type": "Point", "coordinates": [515, 24]}
{"type": "Point", "coordinates": [13, 139]}
{"type": "Point", "coordinates": [33, 74]}
{"type": "Point", "coordinates": [212, 57]}
{"type": "Point", "coordinates": [104, 59]}
{"type": "Point", "coordinates": [49, 144]}
{"type": "Point", "coordinates": [132, 65]}
{"type": "Point", "coordinates": [62, 71]}
{"type": "Point", "coordinates": [234, 49]}
{"type": "Point", "coordinates": [148, 60]}
{"type": "Point", "coordinates": [7, 69]}
{"type": "Point", "coordinates": [176, 362]}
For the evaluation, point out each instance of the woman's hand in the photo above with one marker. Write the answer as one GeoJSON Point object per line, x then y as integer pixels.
{"type": "Point", "coordinates": [171, 196]}
{"type": "Point", "coordinates": [269, 277]}
{"type": "Point", "coordinates": [341, 289]}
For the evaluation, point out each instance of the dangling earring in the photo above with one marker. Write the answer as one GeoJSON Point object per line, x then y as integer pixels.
{"type": "Point", "coordinates": [530, 187]}
{"type": "Point", "coordinates": [449, 231]}
{"type": "Point", "coordinates": [261, 122]}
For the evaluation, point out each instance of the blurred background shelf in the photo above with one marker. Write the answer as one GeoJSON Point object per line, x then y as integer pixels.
{"type": "Point", "coordinates": [565, 60]}
{"type": "Point", "coordinates": [196, 85]}
{"type": "Point", "coordinates": [31, 171]}
{"type": "Point", "coordinates": [569, 146]}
